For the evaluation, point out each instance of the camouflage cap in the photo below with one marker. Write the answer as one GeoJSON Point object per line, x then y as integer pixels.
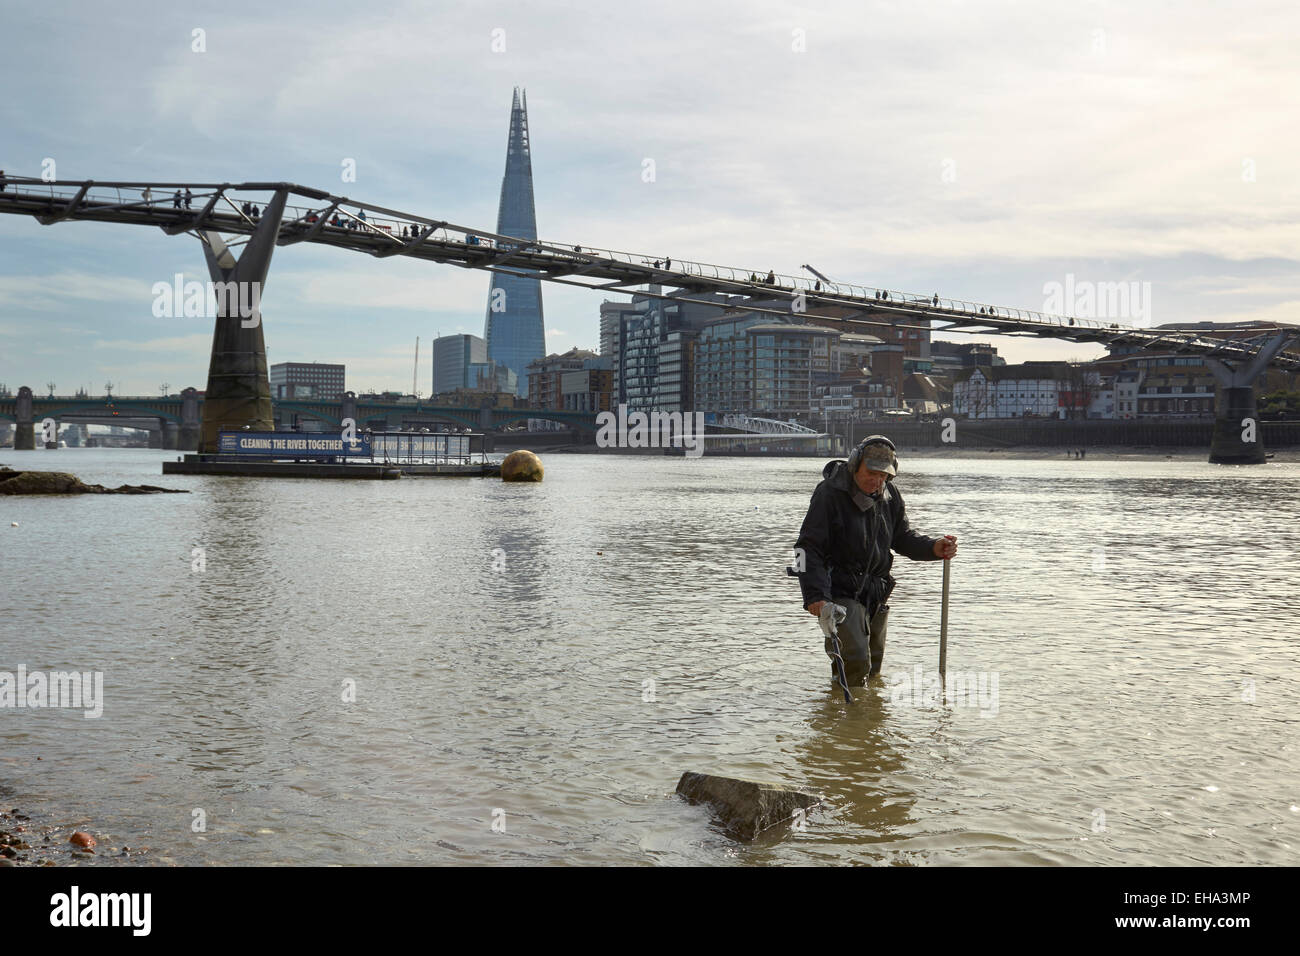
{"type": "Point", "coordinates": [879, 458]}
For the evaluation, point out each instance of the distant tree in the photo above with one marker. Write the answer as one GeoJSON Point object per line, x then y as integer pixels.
{"type": "Point", "coordinates": [1082, 384]}
{"type": "Point", "coordinates": [1280, 406]}
{"type": "Point", "coordinates": [979, 396]}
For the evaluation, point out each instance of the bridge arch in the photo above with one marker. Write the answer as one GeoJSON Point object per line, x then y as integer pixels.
{"type": "Point", "coordinates": [466, 419]}
{"type": "Point", "coordinates": [316, 414]}
{"type": "Point", "coordinates": [501, 420]}
{"type": "Point", "coordinates": [99, 412]}
{"type": "Point", "coordinates": [372, 416]}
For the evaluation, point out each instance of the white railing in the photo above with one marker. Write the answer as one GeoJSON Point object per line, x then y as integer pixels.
{"type": "Point", "coordinates": [764, 426]}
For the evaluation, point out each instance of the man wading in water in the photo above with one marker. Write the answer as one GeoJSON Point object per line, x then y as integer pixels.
{"type": "Point", "coordinates": [856, 516]}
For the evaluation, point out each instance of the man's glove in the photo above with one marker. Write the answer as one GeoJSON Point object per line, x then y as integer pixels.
{"type": "Point", "coordinates": [830, 616]}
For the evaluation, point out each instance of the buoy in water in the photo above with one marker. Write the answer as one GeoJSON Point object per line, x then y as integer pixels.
{"type": "Point", "coordinates": [522, 466]}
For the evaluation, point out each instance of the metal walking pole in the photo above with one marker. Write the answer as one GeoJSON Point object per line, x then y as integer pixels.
{"type": "Point", "coordinates": [943, 621]}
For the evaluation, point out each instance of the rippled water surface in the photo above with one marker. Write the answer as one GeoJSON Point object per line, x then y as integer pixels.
{"type": "Point", "coordinates": [554, 656]}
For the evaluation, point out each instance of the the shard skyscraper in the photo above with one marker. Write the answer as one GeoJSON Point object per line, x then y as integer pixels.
{"type": "Point", "coordinates": [514, 329]}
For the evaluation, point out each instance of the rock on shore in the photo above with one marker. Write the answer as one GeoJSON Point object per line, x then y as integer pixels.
{"type": "Point", "coordinates": [24, 842]}
{"type": "Point", "coordinates": [13, 841]}
{"type": "Point", "coordinates": [61, 483]}
{"type": "Point", "coordinates": [743, 807]}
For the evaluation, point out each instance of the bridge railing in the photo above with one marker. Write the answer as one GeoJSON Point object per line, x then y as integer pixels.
{"type": "Point", "coordinates": [121, 197]}
{"type": "Point", "coordinates": [426, 447]}
{"type": "Point", "coordinates": [765, 426]}
{"type": "Point", "coordinates": [396, 226]}
{"type": "Point", "coordinates": [747, 281]}
{"type": "Point", "coordinates": [163, 197]}
{"type": "Point", "coordinates": [106, 399]}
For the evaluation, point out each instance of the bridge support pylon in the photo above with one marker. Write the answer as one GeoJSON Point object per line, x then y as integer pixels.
{"type": "Point", "coordinates": [239, 391]}
{"type": "Point", "coordinates": [188, 440]}
{"type": "Point", "coordinates": [170, 435]}
{"type": "Point", "coordinates": [1238, 438]}
{"type": "Point", "coordinates": [24, 427]}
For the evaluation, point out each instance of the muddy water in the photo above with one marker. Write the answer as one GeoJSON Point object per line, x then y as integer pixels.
{"type": "Point", "coordinates": [458, 670]}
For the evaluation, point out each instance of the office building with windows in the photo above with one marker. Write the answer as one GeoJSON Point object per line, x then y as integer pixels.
{"type": "Point", "coordinates": [300, 380]}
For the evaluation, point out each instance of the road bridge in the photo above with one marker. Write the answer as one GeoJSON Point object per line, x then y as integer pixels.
{"type": "Point", "coordinates": [174, 421]}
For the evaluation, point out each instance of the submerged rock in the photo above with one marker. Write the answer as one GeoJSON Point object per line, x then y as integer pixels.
{"type": "Point", "coordinates": [61, 483]}
{"type": "Point", "coordinates": [522, 466]}
{"type": "Point", "coordinates": [82, 839]}
{"type": "Point", "coordinates": [745, 808]}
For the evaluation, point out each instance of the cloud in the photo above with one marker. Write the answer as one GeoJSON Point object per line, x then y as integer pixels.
{"type": "Point", "coordinates": [198, 343]}
{"type": "Point", "coordinates": [53, 292]}
{"type": "Point", "coordinates": [976, 150]}
{"type": "Point", "coordinates": [370, 287]}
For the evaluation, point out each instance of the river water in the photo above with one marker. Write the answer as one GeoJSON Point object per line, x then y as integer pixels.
{"type": "Point", "coordinates": [534, 666]}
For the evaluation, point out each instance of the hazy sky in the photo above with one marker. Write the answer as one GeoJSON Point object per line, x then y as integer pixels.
{"type": "Point", "coordinates": [980, 150]}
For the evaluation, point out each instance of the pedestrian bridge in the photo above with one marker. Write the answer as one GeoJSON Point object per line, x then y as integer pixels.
{"type": "Point", "coordinates": [264, 213]}
{"type": "Point", "coordinates": [768, 426]}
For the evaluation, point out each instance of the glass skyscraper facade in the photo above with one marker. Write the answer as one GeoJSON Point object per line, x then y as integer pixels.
{"type": "Point", "coordinates": [453, 355]}
{"type": "Point", "coordinates": [514, 328]}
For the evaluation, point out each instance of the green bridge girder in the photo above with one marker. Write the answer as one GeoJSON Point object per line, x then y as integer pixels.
{"type": "Point", "coordinates": [169, 409]}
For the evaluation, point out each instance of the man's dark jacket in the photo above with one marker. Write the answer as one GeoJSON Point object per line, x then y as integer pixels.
{"type": "Point", "coordinates": [846, 540]}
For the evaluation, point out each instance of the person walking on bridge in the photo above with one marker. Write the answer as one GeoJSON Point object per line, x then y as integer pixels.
{"type": "Point", "coordinates": [842, 558]}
